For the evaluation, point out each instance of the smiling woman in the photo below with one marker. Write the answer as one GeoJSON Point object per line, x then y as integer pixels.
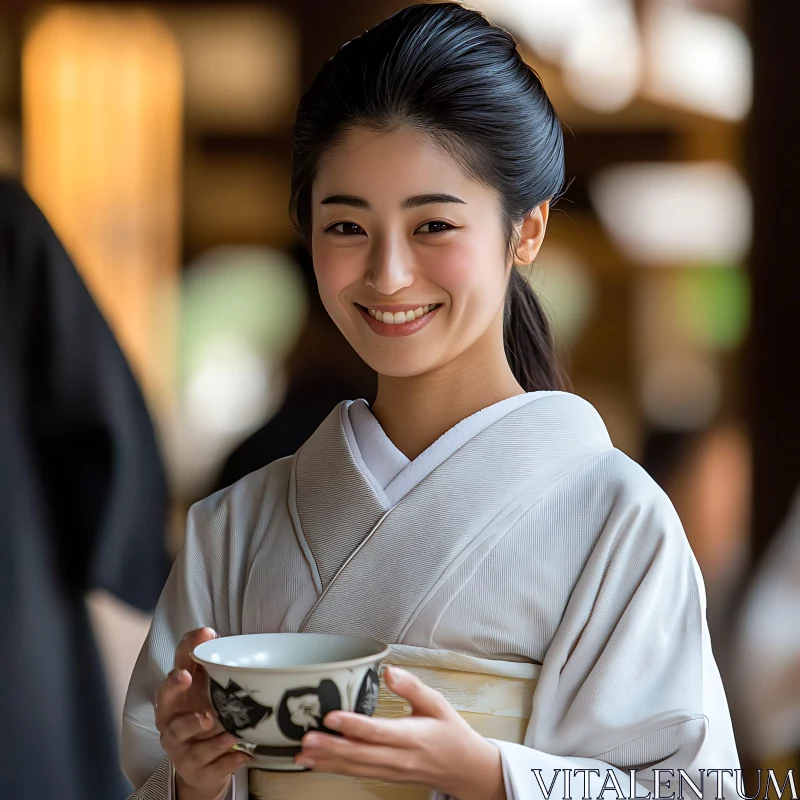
{"type": "Point", "coordinates": [475, 517]}
{"type": "Point", "coordinates": [382, 241]}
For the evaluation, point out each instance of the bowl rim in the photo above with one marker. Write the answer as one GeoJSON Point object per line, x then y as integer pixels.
{"type": "Point", "coordinates": [382, 650]}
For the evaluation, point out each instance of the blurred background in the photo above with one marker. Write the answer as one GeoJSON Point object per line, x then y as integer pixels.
{"type": "Point", "coordinates": [156, 138]}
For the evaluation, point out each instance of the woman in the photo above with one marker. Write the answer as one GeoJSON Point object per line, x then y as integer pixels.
{"type": "Point", "coordinates": [475, 512]}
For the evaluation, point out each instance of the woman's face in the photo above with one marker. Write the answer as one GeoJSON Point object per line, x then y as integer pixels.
{"type": "Point", "coordinates": [410, 253]}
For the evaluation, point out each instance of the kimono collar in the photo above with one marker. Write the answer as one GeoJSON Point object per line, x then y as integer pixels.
{"type": "Point", "coordinates": [492, 476]}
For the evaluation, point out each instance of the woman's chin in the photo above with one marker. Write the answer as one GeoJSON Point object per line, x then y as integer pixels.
{"type": "Point", "coordinates": [399, 367]}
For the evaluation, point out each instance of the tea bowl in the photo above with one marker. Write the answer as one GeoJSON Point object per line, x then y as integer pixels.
{"type": "Point", "coordinates": [270, 689]}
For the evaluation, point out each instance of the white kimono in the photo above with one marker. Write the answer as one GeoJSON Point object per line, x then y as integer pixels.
{"type": "Point", "coordinates": [521, 538]}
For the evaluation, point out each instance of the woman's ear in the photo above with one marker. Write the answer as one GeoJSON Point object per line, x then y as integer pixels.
{"type": "Point", "coordinates": [531, 234]}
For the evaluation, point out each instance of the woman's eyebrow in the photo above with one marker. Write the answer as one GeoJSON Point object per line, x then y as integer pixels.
{"type": "Point", "coordinates": [411, 202]}
{"type": "Point", "coordinates": [429, 199]}
{"type": "Point", "coordinates": [345, 200]}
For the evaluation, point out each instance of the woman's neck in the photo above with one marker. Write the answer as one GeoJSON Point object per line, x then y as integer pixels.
{"type": "Point", "coordinates": [414, 412]}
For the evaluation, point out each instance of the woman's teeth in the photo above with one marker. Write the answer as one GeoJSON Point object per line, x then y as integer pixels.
{"type": "Point", "coordinates": [399, 317]}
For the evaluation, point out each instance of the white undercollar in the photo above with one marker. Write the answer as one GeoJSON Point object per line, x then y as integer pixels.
{"type": "Point", "coordinates": [391, 473]}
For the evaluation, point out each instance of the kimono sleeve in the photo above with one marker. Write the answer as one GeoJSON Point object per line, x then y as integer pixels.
{"type": "Point", "coordinates": [197, 594]}
{"type": "Point", "coordinates": [85, 422]}
{"type": "Point", "coordinates": [629, 681]}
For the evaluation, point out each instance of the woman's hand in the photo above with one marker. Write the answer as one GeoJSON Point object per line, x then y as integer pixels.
{"type": "Point", "coordinates": [191, 734]}
{"type": "Point", "coordinates": [434, 747]}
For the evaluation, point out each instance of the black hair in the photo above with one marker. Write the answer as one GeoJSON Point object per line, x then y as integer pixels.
{"type": "Point", "coordinates": [447, 71]}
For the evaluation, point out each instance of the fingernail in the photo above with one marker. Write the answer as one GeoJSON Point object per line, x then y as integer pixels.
{"type": "Point", "coordinates": [396, 674]}
{"type": "Point", "coordinates": [332, 721]}
{"type": "Point", "coordinates": [206, 723]}
{"type": "Point", "coordinates": [310, 740]}
{"type": "Point", "coordinates": [177, 676]}
{"type": "Point", "coordinates": [305, 761]}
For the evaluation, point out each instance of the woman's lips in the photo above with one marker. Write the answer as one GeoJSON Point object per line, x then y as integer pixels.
{"type": "Point", "coordinates": [400, 329]}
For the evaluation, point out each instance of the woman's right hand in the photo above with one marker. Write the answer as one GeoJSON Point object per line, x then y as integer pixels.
{"type": "Point", "coordinates": [191, 734]}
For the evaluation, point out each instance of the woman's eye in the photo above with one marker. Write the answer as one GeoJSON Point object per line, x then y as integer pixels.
{"type": "Point", "coordinates": [346, 229]}
{"type": "Point", "coordinates": [435, 227]}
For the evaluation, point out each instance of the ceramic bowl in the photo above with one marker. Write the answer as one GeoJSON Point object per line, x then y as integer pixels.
{"type": "Point", "coordinates": [270, 689]}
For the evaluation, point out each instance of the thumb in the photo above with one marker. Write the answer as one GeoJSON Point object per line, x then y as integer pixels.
{"type": "Point", "coordinates": [425, 702]}
{"type": "Point", "coordinates": [183, 655]}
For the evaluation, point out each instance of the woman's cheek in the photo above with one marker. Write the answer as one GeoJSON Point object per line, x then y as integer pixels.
{"type": "Point", "coordinates": [450, 268]}
{"type": "Point", "coordinates": [462, 270]}
{"type": "Point", "coordinates": [335, 271]}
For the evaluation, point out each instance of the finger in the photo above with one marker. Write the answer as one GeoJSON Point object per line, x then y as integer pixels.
{"type": "Point", "coordinates": [200, 754]}
{"type": "Point", "coordinates": [172, 690]}
{"type": "Point", "coordinates": [216, 726]}
{"type": "Point", "coordinates": [183, 727]}
{"type": "Point", "coordinates": [183, 655]}
{"type": "Point", "coordinates": [352, 769]}
{"type": "Point", "coordinates": [425, 702]}
{"type": "Point", "coordinates": [225, 765]}
{"type": "Point", "coordinates": [323, 747]}
{"type": "Point", "coordinates": [376, 730]}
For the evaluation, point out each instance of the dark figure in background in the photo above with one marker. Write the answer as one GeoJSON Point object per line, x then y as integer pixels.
{"type": "Point", "coordinates": [322, 370]}
{"type": "Point", "coordinates": [83, 504]}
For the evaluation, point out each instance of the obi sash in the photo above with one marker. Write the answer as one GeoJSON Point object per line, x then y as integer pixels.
{"type": "Point", "coordinates": [494, 697]}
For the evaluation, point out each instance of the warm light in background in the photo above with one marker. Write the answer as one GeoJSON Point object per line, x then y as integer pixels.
{"type": "Point", "coordinates": [241, 66]}
{"type": "Point", "coordinates": [602, 60]}
{"type": "Point", "coordinates": [596, 43]}
{"type": "Point", "coordinates": [697, 61]}
{"type": "Point", "coordinates": [547, 26]}
{"type": "Point", "coordinates": [674, 55]}
{"type": "Point", "coordinates": [102, 98]}
{"type": "Point", "coordinates": [671, 213]}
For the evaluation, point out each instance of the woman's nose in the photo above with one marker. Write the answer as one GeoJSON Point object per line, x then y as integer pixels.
{"type": "Point", "coordinates": [390, 268]}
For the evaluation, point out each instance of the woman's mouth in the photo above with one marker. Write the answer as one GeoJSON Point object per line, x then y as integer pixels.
{"type": "Point", "coordinates": [398, 321]}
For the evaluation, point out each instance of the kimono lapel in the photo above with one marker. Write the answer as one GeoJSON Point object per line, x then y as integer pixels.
{"type": "Point", "coordinates": [398, 559]}
{"type": "Point", "coordinates": [335, 504]}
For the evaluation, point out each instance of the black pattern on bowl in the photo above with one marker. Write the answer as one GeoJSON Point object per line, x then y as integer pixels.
{"type": "Point", "coordinates": [367, 699]}
{"type": "Point", "coordinates": [302, 710]}
{"type": "Point", "coordinates": [236, 709]}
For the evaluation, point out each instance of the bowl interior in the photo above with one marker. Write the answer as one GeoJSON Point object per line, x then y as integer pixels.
{"type": "Point", "coordinates": [287, 651]}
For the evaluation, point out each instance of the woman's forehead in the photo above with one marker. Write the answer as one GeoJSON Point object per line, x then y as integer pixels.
{"type": "Point", "coordinates": [390, 164]}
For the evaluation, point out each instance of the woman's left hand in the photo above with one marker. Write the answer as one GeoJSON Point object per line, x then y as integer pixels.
{"type": "Point", "coordinates": [433, 747]}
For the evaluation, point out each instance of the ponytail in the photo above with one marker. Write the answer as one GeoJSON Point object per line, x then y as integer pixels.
{"type": "Point", "coordinates": [528, 339]}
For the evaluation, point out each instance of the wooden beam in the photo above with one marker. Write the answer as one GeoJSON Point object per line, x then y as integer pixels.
{"type": "Point", "coordinates": [775, 271]}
